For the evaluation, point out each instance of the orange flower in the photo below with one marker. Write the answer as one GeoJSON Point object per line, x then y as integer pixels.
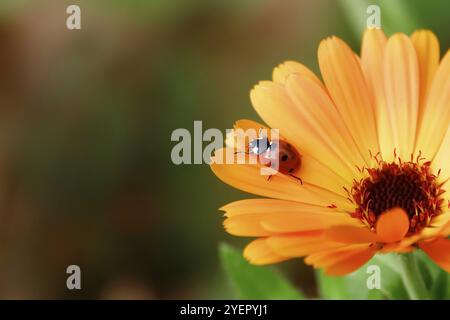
{"type": "Point", "coordinates": [375, 143]}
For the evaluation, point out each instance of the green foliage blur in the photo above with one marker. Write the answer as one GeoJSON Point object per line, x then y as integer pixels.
{"type": "Point", "coordinates": [380, 278]}
{"type": "Point", "coordinates": [85, 123]}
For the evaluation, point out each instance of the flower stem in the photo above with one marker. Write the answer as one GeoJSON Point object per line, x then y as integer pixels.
{"type": "Point", "coordinates": [412, 278]}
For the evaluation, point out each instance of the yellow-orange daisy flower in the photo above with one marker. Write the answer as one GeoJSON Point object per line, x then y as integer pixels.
{"type": "Point", "coordinates": [374, 137]}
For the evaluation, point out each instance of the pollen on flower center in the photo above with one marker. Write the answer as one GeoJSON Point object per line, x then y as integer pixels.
{"type": "Point", "coordinates": [407, 185]}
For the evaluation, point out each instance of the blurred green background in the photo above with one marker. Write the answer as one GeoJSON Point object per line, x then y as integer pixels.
{"type": "Point", "coordinates": [86, 117]}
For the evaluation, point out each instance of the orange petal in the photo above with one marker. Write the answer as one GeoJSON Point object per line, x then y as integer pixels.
{"type": "Point", "coordinates": [311, 170]}
{"type": "Point", "coordinates": [246, 124]}
{"type": "Point", "coordinates": [444, 230]}
{"type": "Point", "coordinates": [427, 48]}
{"type": "Point", "coordinates": [248, 177]}
{"type": "Point", "coordinates": [316, 173]}
{"type": "Point", "coordinates": [392, 225]}
{"type": "Point", "coordinates": [401, 79]}
{"type": "Point", "coordinates": [439, 251]}
{"type": "Point", "coordinates": [284, 70]}
{"type": "Point", "coordinates": [343, 260]}
{"type": "Point", "coordinates": [440, 219]}
{"type": "Point", "coordinates": [397, 248]}
{"type": "Point", "coordinates": [372, 60]}
{"type": "Point", "coordinates": [372, 55]}
{"type": "Point", "coordinates": [259, 253]}
{"type": "Point", "coordinates": [329, 256]}
{"type": "Point", "coordinates": [246, 225]}
{"type": "Point", "coordinates": [240, 135]}
{"type": "Point", "coordinates": [425, 233]}
{"type": "Point", "coordinates": [275, 206]}
{"type": "Point", "coordinates": [294, 222]}
{"type": "Point", "coordinates": [264, 217]}
{"type": "Point", "coordinates": [439, 101]}
{"type": "Point", "coordinates": [436, 116]}
{"type": "Point", "coordinates": [317, 114]}
{"type": "Point", "coordinates": [351, 263]}
{"type": "Point", "coordinates": [351, 234]}
{"type": "Point", "coordinates": [440, 162]}
{"type": "Point", "coordinates": [301, 244]}
{"type": "Point", "coordinates": [343, 76]}
{"type": "Point", "coordinates": [275, 106]}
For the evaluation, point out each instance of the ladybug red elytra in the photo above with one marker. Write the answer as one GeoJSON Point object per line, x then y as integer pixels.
{"type": "Point", "coordinates": [279, 155]}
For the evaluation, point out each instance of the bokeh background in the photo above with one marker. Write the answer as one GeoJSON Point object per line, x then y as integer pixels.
{"type": "Point", "coordinates": [85, 122]}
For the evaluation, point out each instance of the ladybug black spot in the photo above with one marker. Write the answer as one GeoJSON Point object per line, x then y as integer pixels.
{"type": "Point", "coordinates": [284, 157]}
{"type": "Point", "coordinates": [290, 170]}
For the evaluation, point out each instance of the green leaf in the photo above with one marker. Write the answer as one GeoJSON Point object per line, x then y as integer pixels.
{"type": "Point", "coordinates": [425, 273]}
{"type": "Point", "coordinates": [354, 285]}
{"type": "Point", "coordinates": [334, 288]}
{"type": "Point", "coordinates": [439, 289]}
{"type": "Point", "coordinates": [446, 295]}
{"type": "Point", "coordinates": [439, 279]}
{"type": "Point", "coordinates": [433, 269]}
{"type": "Point", "coordinates": [255, 282]}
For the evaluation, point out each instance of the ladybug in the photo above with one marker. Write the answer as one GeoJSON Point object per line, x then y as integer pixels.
{"type": "Point", "coordinates": [271, 153]}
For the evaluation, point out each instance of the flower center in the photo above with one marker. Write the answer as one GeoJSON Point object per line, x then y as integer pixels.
{"type": "Point", "coordinates": [407, 185]}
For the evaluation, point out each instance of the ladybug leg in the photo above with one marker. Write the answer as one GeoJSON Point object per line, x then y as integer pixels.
{"type": "Point", "coordinates": [268, 178]}
{"type": "Point", "coordinates": [295, 177]}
